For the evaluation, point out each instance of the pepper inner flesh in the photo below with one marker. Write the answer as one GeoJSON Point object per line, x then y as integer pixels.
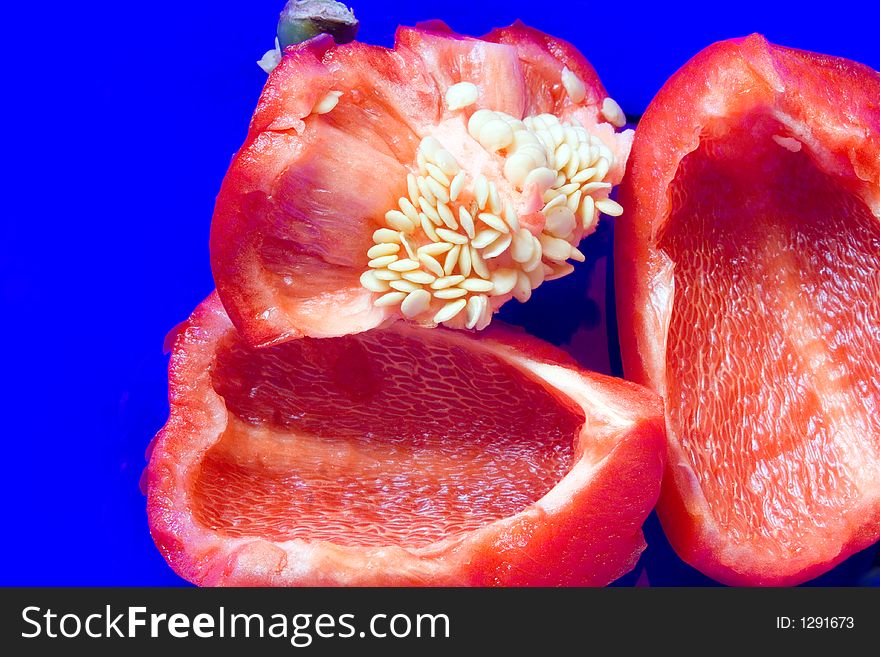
{"type": "Point", "coordinates": [774, 349]}
{"type": "Point", "coordinates": [381, 438]}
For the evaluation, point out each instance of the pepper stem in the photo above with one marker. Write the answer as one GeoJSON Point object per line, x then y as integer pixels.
{"type": "Point", "coordinates": [301, 20]}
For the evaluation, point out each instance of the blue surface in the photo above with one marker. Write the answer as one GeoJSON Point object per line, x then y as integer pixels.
{"type": "Point", "coordinates": [120, 121]}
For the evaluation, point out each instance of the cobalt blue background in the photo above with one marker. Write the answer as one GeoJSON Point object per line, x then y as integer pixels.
{"type": "Point", "coordinates": [119, 121]}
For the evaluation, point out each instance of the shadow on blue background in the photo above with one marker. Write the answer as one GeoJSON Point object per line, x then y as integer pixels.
{"type": "Point", "coordinates": [120, 121]}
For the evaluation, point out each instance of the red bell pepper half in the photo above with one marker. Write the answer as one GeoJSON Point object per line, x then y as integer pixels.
{"type": "Point", "coordinates": [748, 290]}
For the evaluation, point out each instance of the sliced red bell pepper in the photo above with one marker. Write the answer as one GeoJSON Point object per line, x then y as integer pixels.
{"type": "Point", "coordinates": [337, 131]}
{"type": "Point", "coordinates": [398, 456]}
{"type": "Point", "coordinates": [748, 291]}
